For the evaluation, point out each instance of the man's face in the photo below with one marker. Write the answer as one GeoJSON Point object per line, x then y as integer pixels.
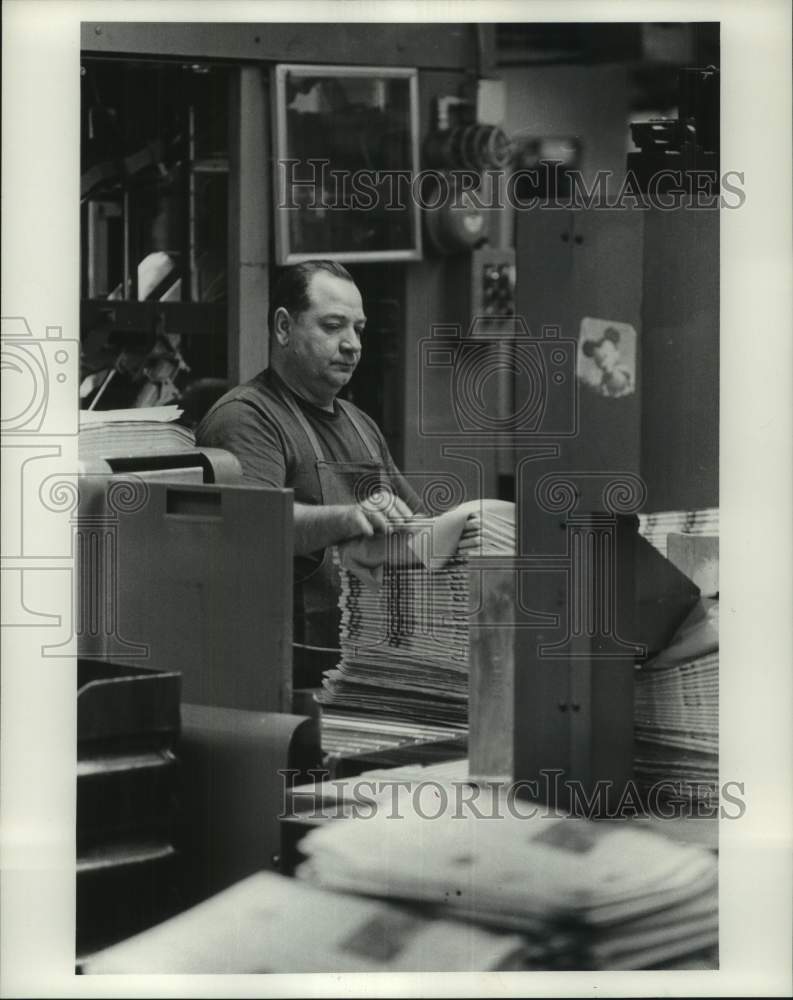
{"type": "Point", "coordinates": [324, 345]}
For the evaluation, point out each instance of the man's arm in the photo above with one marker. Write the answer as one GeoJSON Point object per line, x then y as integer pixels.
{"type": "Point", "coordinates": [249, 435]}
{"type": "Point", "coordinates": [318, 527]}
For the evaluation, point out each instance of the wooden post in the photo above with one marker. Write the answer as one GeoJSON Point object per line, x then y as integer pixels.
{"type": "Point", "coordinates": [491, 697]}
{"type": "Point", "coordinates": [250, 221]}
{"type": "Point", "coordinates": [552, 658]}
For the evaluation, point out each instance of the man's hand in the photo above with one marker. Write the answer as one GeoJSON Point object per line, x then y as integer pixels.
{"type": "Point", "coordinates": [383, 507]}
{"type": "Point", "coordinates": [363, 521]}
{"type": "Point", "coordinates": [318, 527]}
{"type": "Point", "coordinates": [373, 515]}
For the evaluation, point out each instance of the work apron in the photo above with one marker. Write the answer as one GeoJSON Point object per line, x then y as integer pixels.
{"type": "Point", "coordinates": [316, 597]}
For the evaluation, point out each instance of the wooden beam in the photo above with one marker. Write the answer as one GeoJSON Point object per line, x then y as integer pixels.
{"type": "Point", "coordinates": [431, 46]}
{"type": "Point", "coordinates": [250, 223]}
{"type": "Point", "coordinates": [491, 694]}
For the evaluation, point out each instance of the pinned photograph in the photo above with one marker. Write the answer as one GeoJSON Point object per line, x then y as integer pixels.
{"type": "Point", "coordinates": [607, 357]}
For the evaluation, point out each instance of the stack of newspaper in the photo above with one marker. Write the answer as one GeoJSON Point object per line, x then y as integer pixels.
{"type": "Point", "coordinates": [655, 527]}
{"type": "Point", "coordinates": [404, 645]}
{"type": "Point", "coordinates": [676, 713]}
{"type": "Point", "coordinates": [585, 894]}
{"type": "Point", "coordinates": [106, 434]}
{"type": "Point", "coordinates": [269, 923]}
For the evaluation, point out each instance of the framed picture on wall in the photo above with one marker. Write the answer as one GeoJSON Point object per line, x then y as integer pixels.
{"type": "Point", "coordinates": [347, 153]}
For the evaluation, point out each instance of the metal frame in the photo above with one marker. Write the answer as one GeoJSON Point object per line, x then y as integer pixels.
{"type": "Point", "coordinates": [185, 316]}
{"type": "Point", "coordinates": [283, 252]}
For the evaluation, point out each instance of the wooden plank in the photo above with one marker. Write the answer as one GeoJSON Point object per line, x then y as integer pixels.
{"type": "Point", "coordinates": [228, 626]}
{"type": "Point", "coordinates": [193, 318]}
{"type": "Point", "coordinates": [250, 221]}
{"type": "Point", "coordinates": [542, 685]}
{"type": "Point", "coordinates": [680, 360]}
{"type": "Point", "coordinates": [433, 46]}
{"type": "Point", "coordinates": [551, 668]}
{"type": "Point", "coordinates": [491, 691]}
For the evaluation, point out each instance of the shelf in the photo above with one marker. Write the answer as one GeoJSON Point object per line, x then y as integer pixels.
{"type": "Point", "coordinates": [193, 318]}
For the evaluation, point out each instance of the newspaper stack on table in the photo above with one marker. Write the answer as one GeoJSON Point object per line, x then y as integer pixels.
{"type": "Point", "coordinates": [150, 430]}
{"type": "Point", "coordinates": [676, 714]}
{"type": "Point", "coordinates": [404, 640]}
{"type": "Point", "coordinates": [586, 895]}
{"type": "Point", "coordinates": [271, 924]}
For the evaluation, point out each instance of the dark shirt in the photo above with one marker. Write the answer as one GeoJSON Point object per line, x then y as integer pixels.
{"type": "Point", "coordinates": [254, 423]}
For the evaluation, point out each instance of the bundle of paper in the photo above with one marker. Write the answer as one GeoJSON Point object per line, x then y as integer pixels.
{"type": "Point", "coordinates": [587, 895]}
{"type": "Point", "coordinates": [124, 433]}
{"type": "Point", "coordinates": [655, 527]}
{"type": "Point", "coordinates": [683, 776]}
{"type": "Point", "coordinates": [382, 738]}
{"type": "Point", "coordinates": [676, 713]}
{"type": "Point", "coordinates": [269, 923]}
{"type": "Point", "coordinates": [404, 643]}
{"type": "Point", "coordinates": [677, 729]}
{"type": "Point", "coordinates": [342, 797]}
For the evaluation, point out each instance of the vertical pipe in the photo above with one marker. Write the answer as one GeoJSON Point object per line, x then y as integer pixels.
{"type": "Point", "coordinates": [192, 266]}
{"type": "Point", "coordinates": [127, 289]}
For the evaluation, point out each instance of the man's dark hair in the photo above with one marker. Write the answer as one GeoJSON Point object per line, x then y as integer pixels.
{"type": "Point", "coordinates": [291, 286]}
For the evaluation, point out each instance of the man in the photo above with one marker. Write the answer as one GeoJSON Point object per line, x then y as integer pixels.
{"type": "Point", "coordinates": [288, 429]}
